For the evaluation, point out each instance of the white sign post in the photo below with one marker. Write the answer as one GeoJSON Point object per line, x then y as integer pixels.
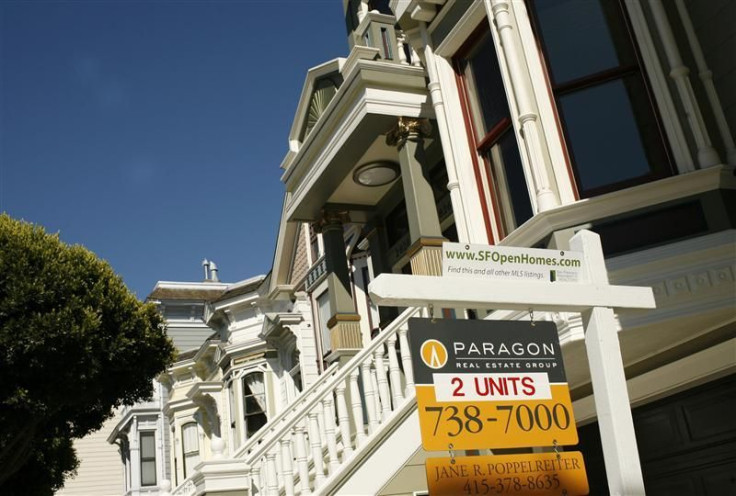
{"type": "Point", "coordinates": [594, 297]}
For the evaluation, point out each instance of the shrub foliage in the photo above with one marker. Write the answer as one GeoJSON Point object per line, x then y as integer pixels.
{"type": "Point", "coordinates": [75, 343]}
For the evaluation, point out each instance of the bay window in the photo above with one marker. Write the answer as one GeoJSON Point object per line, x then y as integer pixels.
{"type": "Point", "coordinates": [610, 126]}
{"type": "Point", "coordinates": [491, 132]}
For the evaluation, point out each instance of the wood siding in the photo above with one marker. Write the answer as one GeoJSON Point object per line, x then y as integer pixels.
{"type": "Point", "coordinates": [100, 470]}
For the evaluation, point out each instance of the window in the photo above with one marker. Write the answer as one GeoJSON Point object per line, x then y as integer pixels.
{"type": "Point", "coordinates": [323, 308]}
{"type": "Point", "coordinates": [190, 447]}
{"type": "Point", "coordinates": [491, 133]}
{"type": "Point", "coordinates": [611, 129]}
{"type": "Point", "coordinates": [314, 244]}
{"type": "Point", "coordinates": [148, 458]}
{"type": "Point", "coordinates": [254, 401]}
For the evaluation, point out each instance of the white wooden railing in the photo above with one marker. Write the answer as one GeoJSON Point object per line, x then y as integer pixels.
{"type": "Point", "coordinates": [403, 47]}
{"type": "Point", "coordinates": [188, 488]}
{"type": "Point", "coordinates": [321, 432]}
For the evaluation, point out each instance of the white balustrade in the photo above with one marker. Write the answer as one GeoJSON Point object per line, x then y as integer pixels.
{"type": "Point", "coordinates": [272, 474]}
{"type": "Point", "coordinates": [382, 380]}
{"type": "Point", "coordinates": [357, 408]}
{"type": "Point", "coordinates": [305, 443]}
{"type": "Point", "coordinates": [406, 362]}
{"type": "Point", "coordinates": [370, 400]}
{"type": "Point", "coordinates": [287, 471]}
{"type": "Point", "coordinates": [315, 443]}
{"type": "Point", "coordinates": [401, 39]}
{"type": "Point", "coordinates": [302, 460]}
{"type": "Point", "coordinates": [394, 372]}
{"type": "Point", "coordinates": [330, 436]}
{"type": "Point", "coordinates": [343, 419]}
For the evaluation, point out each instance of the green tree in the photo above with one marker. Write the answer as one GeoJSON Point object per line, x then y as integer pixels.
{"type": "Point", "coordinates": [74, 344]}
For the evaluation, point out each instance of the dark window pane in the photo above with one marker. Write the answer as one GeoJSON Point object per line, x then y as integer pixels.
{"type": "Point", "coordinates": [254, 422]}
{"type": "Point", "coordinates": [603, 135]}
{"type": "Point", "coordinates": [580, 36]}
{"type": "Point", "coordinates": [148, 473]}
{"type": "Point", "coordinates": [252, 405]}
{"type": "Point", "coordinates": [508, 175]}
{"type": "Point", "coordinates": [486, 87]}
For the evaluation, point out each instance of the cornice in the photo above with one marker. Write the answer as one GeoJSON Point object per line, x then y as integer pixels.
{"type": "Point", "coordinates": [582, 212]}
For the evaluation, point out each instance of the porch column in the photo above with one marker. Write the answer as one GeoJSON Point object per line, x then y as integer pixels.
{"type": "Point", "coordinates": [425, 252]}
{"type": "Point", "coordinates": [679, 72]}
{"type": "Point", "coordinates": [503, 22]}
{"type": "Point", "coordinates": [345, 335]}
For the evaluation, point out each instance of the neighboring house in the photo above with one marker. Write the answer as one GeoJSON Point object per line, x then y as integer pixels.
{"type": "Point", "coordinates": [491, 122]}
{"type": "Point", "coordinates": [142, 432]}
{"type": "Point", "coordinates": [100, 472]}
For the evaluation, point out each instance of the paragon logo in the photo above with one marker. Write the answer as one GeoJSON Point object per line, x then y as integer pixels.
{"type": "Point", "coordinates": [433, 353]}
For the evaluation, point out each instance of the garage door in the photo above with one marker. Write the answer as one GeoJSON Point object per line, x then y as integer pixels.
{"type": "Point", "coordinates": [687, 443]}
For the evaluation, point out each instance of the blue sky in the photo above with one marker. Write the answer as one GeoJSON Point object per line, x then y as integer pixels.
{"type": "Point", "coordinates": [151, 132]}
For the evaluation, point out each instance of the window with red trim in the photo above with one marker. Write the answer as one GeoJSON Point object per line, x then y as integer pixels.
{"type": "Point", "coordinates": [609, 121]}
{"type": "Point", "coordinates": [492, 134]}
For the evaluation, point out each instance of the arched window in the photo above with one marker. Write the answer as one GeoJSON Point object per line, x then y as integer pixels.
{"type": "Point", "coordinates": [190, 446]}
{"type": "Point", "coordinates": [254, 401]}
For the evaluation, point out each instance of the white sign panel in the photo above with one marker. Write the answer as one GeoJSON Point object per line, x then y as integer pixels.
{"type": "Point", "coordinates": [492, 387]}
{"type": "Point", "coordinates": [508, 262]}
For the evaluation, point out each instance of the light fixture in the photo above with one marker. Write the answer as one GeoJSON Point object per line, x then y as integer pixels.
{"type": "Point", "coordinates": [376, 173]}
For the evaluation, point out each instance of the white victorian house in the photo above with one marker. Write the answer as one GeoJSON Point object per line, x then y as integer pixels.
{"type": "Point", "coordinates": [502, 122]}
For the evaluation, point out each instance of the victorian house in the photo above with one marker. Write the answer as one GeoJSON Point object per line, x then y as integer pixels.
{"type": "Point", "coordinates": [501, 122]}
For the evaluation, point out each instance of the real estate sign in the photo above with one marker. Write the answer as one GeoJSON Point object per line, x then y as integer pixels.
{"type": "Point", "coordinates": [508, 262]}
{"type": "Point", "coordinates": [528, 474]}
{"type": "Point", "coordinates": [490, 384]}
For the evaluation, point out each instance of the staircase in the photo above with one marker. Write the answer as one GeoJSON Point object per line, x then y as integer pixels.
{"type": "Point", "coordinates": [325, 433]}
{"type": "Point", "coordinates": [330, 430]}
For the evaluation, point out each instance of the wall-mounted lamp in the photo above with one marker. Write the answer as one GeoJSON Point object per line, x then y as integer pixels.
{"type": "Point", "coordinates": [376, 173]}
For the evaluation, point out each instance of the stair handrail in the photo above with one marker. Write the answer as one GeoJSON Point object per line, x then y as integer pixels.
{"type": "Point", "coordinates": [303, 406]}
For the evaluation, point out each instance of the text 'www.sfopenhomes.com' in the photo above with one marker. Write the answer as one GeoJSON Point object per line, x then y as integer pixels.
{"type": "Point", "coordinates": [502, 258]}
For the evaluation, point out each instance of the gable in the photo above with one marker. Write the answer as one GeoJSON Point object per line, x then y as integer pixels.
{"type": "Point", "coordinates": [320, 87]}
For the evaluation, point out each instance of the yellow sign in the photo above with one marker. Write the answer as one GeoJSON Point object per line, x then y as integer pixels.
{"type": "Point", "coordinates": [490, 384]}
{"type": "Point", "coordinates": [533, 474]}
{"type": "Point", "coordinates": [498, 424]}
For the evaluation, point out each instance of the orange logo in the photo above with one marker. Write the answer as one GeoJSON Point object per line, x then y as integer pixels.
{"type": "Point", "coordinates": [433, 353]}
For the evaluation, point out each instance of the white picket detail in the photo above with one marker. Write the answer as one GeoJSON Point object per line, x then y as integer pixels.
{"type": "Point", "coordinates": [301, 458]}
{"type": "Point", "coordinates": [343, 419]}
{"type": "Point", "coordinates": [406, 361]}
{"type": "Point", "coordinates": [287, 464]}
{"type": "Point", "coordinates": [315, 444]}
{"type": "Point", "coordinates": [394, 373]}
{"type": "Point", "coordinates": [355, 401]}
{"type": "Point", "coordinates": [330, 435]}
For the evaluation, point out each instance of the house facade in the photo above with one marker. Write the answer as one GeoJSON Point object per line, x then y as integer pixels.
{"type": "Point", "coordinates": [496, 122]}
